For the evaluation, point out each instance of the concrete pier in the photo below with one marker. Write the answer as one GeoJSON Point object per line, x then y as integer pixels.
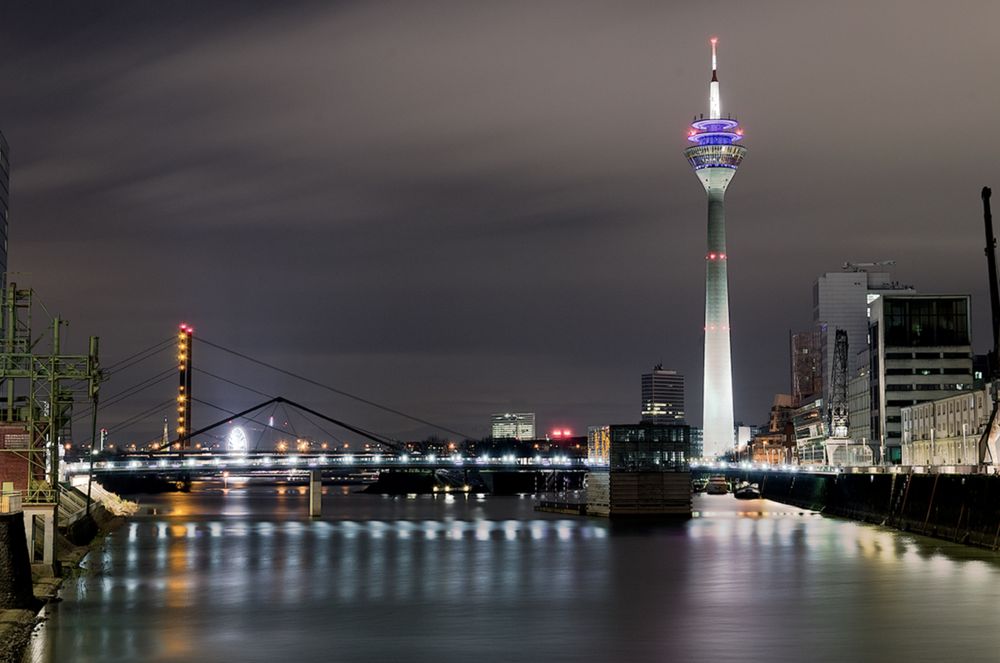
{"type": "Point", "coordinates": [15, 570]}
{"type": "Point", "coordinates": [315, 494]}
{"type": "Point", "coordinates": [40, 522]}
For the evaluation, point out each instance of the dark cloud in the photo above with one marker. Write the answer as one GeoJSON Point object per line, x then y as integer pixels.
{"type": "Point", "coordinates": [457, 208]}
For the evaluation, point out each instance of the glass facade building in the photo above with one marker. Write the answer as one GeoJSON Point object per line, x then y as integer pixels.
{"type": "Point", "coordinates": [642, 447]}
{"type": "Point", "coordinates": [921, 351]}
{"type": "Point", "coordinates": [639, 470]}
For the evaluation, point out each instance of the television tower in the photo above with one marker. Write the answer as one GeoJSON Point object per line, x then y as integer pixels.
{"type": "Point", "coordinates": [715, 156]}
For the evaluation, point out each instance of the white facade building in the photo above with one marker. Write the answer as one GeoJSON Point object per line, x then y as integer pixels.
{"type": "Point", "coordinates": [946, 431]}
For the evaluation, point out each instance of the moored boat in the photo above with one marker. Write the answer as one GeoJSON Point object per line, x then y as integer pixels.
{"type": "Point", "coordinates": [747, 491]}
{"type": "Point", "coordinates": [717, 486]}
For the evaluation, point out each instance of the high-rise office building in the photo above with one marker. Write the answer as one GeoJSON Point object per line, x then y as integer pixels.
{"type": "Point", "coordinates": [715, 157]}
{"type": "Point", "coordinates": [921, 351]}
{"type": "Point", "coordinates": [4, 205]}
{"type": "Point", "coordinates": [806, 363]}
{"type": "Point", "coordinates": [841, 300]}
{"type": "Point", "coordinates": [663, 396]}
{"type": "Point", "coordinates": [513, 426]}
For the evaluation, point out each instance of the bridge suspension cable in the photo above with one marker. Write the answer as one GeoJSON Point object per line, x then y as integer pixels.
{"type": "Point", "coordinates": [142, 415]}
{"type": "Point", "coordinates": [236, 415]}
{"type": "Point", "coordinates": [261, 393]}
{"type": "Point", "coordinates": [329, 388]}
{"type": "Point", "coordinates": [139, 357]}
{"type": "Point", "coordinates": [128, 392]}
{"type": "Point", "coordinates": [280, 400]}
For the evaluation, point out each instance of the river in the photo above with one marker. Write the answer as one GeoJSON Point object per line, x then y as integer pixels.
{"type": "Point", "coordinates": [243, 575]}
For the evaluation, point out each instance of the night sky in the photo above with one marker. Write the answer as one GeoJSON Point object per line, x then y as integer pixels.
{"type": "Point", "coordinates": [462, 208]}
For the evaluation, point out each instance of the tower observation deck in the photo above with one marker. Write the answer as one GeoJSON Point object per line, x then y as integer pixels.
{"type": "Point", "coordinates": [715, 157]}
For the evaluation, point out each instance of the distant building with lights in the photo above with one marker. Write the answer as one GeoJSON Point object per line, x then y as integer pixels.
{"type": "Point", "coordinates": [639, 470]}
{"type": "Point", "coordinates": [663, 396]}
{"type": "Point", "coordinates": [513, 426]}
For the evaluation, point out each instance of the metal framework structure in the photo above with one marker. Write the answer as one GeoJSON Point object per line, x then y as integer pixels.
{"type": "Point", "coordinates": [839, 415]}
{"type": "Point", "coordinates": [39, 386]}
{"type": "Point", "coordinates": [992, 432]}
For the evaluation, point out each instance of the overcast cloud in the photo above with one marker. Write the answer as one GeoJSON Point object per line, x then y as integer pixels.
{"type": "Point", "coordinates": [459, 208]}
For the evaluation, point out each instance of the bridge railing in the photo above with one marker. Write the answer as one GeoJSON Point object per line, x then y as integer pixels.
{"type": "Point", "coordinates": [320, 461]}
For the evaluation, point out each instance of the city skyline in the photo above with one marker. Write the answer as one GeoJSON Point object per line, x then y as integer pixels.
{"type": "Point", "coordinates": [285, 205]}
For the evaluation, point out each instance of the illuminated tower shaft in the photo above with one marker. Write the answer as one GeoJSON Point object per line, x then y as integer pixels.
{"type": "Point", "coordinates": [184, 342]}
{"type": "Point", "coordinates": [715, 158]}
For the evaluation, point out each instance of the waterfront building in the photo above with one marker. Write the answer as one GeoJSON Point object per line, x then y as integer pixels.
{"type": "Point", "coordinates": [639, 470]}
{"type": "Point", "coordinates": [4, 206]}
{"type": "Point", "coordinates": [921, 351]}
{"type": "Point", "coordinates": [663, 396]}
{"type": "Point", "coordinates": [859, 406]}
{"type": "Point", "coordinates": [945, 431]}
{"type": "Point", "coordinates": [697, 448]}
{"type": "Point", "coordinates": [811, 432]}
{"type": "Point", "coordinates": [781, 413]}
{"type": "Point", "coordinates": [715, 157]}
{"type": "Point", "coordinates": [513, 425]}
{"type": "Point", "coordinates": [806, 365]}
{"type": "Point", "coordinates": [773, 448]}
{"type": "Point", "coordinates": [842, 300]}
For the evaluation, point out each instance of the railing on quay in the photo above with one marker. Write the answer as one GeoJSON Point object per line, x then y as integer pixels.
{"type": "Point", "coordinates": [722, 466]}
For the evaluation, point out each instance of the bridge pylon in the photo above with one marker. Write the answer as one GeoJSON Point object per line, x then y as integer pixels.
{"type": "Point", "coordinates": [185, 338]}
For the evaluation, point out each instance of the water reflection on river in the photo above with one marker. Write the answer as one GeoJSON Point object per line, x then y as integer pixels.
{"type": "Point", "coordinates": [244, 576]}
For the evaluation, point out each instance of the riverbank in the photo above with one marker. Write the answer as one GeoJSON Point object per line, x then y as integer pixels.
{"type": "Point", "coordinates": [17, 625]}
{"type": "Point", "coordinates": [959, 508]}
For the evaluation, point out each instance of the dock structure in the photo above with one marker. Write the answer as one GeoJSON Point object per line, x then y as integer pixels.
{"type": "Point", "coordinates": [639, 470]}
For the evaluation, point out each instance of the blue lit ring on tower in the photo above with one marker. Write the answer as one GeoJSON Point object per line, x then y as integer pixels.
{"type": "Point", "coordinates": [716, 144]}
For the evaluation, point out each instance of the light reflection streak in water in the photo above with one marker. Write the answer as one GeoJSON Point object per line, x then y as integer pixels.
{"type": "Point", "coordinates": [418, 579]}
